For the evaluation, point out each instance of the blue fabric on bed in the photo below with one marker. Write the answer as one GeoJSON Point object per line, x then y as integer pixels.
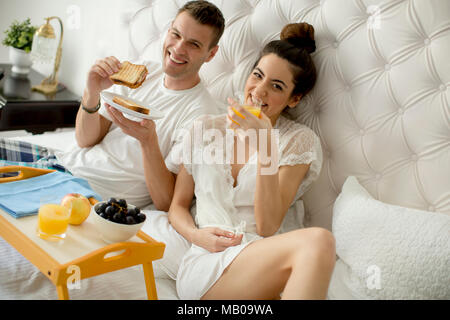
{"type": "Point", "coordinates": [23, 198]}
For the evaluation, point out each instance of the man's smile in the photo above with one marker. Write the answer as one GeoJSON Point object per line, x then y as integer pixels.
{"type": "Point", "coordinates": [176, 59]}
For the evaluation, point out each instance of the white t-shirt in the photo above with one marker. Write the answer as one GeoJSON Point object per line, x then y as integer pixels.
{"type": "Point", "coordinates": [114, 167]}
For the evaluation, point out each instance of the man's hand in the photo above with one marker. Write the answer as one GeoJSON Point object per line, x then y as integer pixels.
{"type": "Point", "coordinates": [215, 239]}
{"type": "Point", "coordinates": [98, 75]}
{"type": "Point", "coordinates": [91, 128]}
{"type": "Point", "coordinates": [144, 131]}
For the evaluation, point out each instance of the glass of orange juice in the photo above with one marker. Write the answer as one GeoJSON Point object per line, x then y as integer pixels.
{"type": "Point", "coordinates": [253, 109]}
{"type": "Point", "coordinates": [53, 220]}
{"type": "Point", "coordinates": [256, 111]}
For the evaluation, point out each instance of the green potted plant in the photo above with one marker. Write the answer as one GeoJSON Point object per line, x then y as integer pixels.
{"type": "Point", "coordinates": [19, 37]}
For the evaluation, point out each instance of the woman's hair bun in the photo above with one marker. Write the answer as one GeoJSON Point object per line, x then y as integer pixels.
{"type": "Point", "coordinates": [300, 35]}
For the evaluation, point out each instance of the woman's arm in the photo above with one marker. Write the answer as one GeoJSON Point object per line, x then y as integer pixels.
{"type": "Point", "coordinates": [275, 187]}
{"type": "Point", "coordinates": [211, 239]}
{"type": "Point", "coordinates": [274, 194]}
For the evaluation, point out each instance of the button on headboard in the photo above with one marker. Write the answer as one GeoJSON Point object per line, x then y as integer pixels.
{"type": "Point", "coordinates": [381, 102]}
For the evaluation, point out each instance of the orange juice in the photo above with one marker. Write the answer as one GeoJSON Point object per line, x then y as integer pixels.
{"type": "Point", "coordinates": [256, 111]}
{"type": "Point", "coordinates": [52, 221]}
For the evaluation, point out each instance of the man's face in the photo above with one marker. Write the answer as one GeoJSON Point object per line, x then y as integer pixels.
{"type": "Point", "coordinates": [186, 47]}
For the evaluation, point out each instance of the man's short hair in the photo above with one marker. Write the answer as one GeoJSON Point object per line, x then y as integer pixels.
{"type": "Point", "coordinates": [208, 14]}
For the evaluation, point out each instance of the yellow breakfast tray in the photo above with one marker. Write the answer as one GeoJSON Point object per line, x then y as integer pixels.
{"type": "Point", "coordinates": [82, 248]}
{"type": "Point", "coordinates": [23, 172]}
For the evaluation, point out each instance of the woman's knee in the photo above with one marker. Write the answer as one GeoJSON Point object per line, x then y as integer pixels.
{"type": "Point", "coordinates": [318, 244]}
{"type": "Point", "coordinates": [323, 240]}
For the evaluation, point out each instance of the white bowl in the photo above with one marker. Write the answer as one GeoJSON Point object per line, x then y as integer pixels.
{"type": "Point", "coordinates": [112, 232]}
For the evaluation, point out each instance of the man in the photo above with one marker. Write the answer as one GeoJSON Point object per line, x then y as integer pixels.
{"type": "Point", "coordinates": [132, 160]}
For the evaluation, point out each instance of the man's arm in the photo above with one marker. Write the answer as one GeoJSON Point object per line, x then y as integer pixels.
{"type": "Point", "coordinates": [90, 128]}
{"type": "Point", "coordinates": [179, 215]}
{"type": "Point", "coordinates": [160, 181]}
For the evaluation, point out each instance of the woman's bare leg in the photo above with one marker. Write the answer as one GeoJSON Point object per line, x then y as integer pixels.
{"type": "Point", "coordinates": [297, 263]}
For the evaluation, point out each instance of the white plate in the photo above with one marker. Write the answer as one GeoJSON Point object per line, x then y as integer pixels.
{"type": "Point", "coordinates": [135, 116]}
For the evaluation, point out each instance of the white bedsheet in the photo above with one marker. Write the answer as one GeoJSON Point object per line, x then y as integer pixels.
{"type": "Point", "coordinates": [61, 139]}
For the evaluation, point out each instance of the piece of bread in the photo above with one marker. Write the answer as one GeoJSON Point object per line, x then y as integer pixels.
{"type": "Point", "coordinates": [130, 105]}
{"type": "Point", "coordinates": [130, 75]}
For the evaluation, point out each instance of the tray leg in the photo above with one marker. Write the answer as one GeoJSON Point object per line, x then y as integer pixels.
{"type": "Point", "coordinates": [63, 293]}
{"type": "Point", "coordinates": [150, 284]}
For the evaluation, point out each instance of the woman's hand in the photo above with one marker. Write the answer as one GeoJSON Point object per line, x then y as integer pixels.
{"type": "Point", "coordinates": [250, 122]}
{"type": "Point", "coordinates": [262, 125]}
{"type": "Point", "coordinates": [215, 239]}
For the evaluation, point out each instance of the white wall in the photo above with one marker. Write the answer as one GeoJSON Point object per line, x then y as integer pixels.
{"type": "Point", "coordinates": [92, 29]}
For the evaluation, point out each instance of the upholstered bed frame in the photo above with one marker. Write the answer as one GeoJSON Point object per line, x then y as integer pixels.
{"type": "Point", "coordinates": [381, 102]}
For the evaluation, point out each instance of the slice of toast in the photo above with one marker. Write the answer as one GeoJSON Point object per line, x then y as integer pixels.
{"type": "Point", "coordinates": [130, 75]}
{"type": "Point", "coordinates": [130, 105]}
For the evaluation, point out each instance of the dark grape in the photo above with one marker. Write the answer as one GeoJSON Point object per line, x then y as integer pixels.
{"type": "Point", "coordinates": [131, 212]}
{"type": "Point", "coordinates": [117, 217]}
{"type": "Point", "coordinates": [141, 217]}
{"type": "Point", "coordinates": [130, 220]}
{"type": "Point", "coordinates": [111, 201]}
{"type": "Point", "coordinates": [122, 203]}
{"type": "Point", "coordinates": [101, 208]}
{"type": "Point", "coordinates": [110, 210]}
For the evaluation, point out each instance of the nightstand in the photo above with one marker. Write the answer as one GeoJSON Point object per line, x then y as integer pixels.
{"type": "Point", "coordinates": [24, 109]}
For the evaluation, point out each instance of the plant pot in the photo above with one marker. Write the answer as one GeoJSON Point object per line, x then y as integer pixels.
{"type": "Point", "coordinates": [20, 60]}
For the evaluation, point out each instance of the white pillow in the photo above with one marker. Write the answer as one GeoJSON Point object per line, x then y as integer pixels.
{"type": "Point", "coordinates": [158, 227]}
{"type": "Point", "coordinates": [387, 251]}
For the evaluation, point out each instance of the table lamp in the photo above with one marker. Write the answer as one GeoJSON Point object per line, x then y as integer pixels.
{"type": "Point", "coordinates": [43, 51]}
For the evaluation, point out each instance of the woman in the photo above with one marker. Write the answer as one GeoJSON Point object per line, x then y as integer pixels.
{"type": "Point", "coordinates": [236, 253]}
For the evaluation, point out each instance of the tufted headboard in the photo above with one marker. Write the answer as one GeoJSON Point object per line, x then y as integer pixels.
{"type": "Point", "coordinates": [381, 102]}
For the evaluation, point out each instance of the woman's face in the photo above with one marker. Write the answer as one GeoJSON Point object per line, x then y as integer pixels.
{"type": "Point", "coordinates": [271, 83]}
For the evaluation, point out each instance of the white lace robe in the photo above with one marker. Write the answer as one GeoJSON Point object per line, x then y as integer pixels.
{"type": "Point", "coordinates": [207, 157]}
